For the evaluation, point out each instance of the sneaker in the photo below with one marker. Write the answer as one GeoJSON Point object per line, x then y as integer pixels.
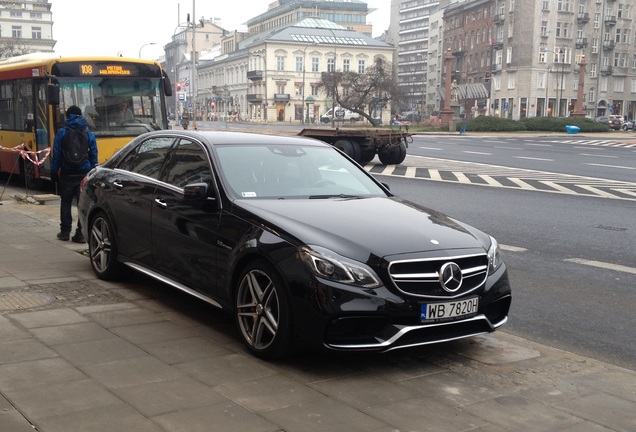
{"type": "Point", "coordinates": [64, 236]}
{"type": "Point", "coordinates": [78, 238]}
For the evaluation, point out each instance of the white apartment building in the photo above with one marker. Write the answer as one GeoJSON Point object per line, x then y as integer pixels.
{"type": "Point", "coordinates": [25, 27]}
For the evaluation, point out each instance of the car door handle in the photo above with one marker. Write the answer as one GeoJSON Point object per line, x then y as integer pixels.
{"type": "Point", "coordinates": [118, 185]}
{"type": "Point", "coordinates": [161, 203]}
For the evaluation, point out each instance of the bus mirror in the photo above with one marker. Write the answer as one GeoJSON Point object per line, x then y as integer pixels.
{"type": "Point", "coordinates": [53, 95]}
{"type": "Point", "coordinates": [167, 85]}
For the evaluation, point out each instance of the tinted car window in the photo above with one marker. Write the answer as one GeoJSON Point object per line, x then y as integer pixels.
{"type": "Point", "coordinates": [292, 171]}
{"type": "Point", "coordinates": [188, 164]}
{"type": "Point", "coordinates": [148, 157]}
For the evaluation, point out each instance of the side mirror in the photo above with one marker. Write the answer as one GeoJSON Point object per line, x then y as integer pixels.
{"type": "Point", "coordinates": [167, 85]}
{"type": "Point", "coordinates": [195, 191]}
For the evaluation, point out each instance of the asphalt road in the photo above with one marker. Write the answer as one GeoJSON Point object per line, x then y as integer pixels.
{"type": "Point", "coordinates": [612, 156]}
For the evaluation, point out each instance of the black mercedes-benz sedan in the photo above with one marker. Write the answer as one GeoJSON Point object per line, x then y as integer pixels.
{"type": "Point", "coordinates": [292, 237]}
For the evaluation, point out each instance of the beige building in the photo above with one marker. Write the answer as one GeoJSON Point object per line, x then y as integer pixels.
{"type": "Point", "coordinates": [350, 14]}
{"type": "Point", "coordinates": [539, 46]}
{"type": "Point", "coordinates": [25, 27]}
{"type": "Point", "coordinates": [273, 77]}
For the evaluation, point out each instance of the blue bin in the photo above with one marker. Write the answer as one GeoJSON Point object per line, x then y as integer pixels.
{"type": "Point", "coordinates": [572, 129]}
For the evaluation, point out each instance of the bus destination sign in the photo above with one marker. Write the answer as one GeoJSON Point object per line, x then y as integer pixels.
{"type": "Point", "coordinates": [104, 69]}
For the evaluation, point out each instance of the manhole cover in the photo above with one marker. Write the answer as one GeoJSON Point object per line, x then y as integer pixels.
{"type": "Point", "coordinates": [24, 300]}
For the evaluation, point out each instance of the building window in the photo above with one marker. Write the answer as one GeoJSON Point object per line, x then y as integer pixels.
{"type": "Point", "coordinates": [280, 63]}
{"type": "Point", "coordinates": [361, 66]}
{"type": "Point", "coordinates": [36, 32]}
{"type": "Point", "coordinates": [314, 64]}
{"type": "Point", "coordinates": [512, 81]}
{"type": "Point", "coordinates": [15, 14]}
{"type": "Point", "coordinates": [36, 15]}
{"type": "Point", "coordinates": [299, 64]}
{"type": "Point", "coordinates": [16, 32]}
{"type": "Point", "coordinates": [331, 65]}
{"type": "Point", "coordinates": [346, 65]}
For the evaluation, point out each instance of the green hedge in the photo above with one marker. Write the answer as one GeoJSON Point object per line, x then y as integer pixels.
{"type": "Point", "coordinates": [558, 124]}
{"type": "Point", "coordinates": [537, 124]}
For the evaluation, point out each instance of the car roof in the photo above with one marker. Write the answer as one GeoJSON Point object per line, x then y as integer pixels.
{"type": "Point", "coordinates": [229, 137]}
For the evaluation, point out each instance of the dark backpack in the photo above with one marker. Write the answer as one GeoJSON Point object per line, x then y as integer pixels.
{"type": "Point", "coordinates": [75, 148]}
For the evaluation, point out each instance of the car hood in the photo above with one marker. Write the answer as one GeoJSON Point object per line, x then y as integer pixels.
{"type": "Point", "coordinates": [358, 228]}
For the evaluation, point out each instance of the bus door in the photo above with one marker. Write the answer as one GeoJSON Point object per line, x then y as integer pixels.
{"type": "Point", "coordinates": [42, 126]}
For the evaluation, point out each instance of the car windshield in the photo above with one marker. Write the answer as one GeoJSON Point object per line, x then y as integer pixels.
{"type": "Point", "coordinates": [292, 171]}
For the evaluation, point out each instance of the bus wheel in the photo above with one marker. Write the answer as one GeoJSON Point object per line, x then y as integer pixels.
{"type": "Point", "coordinates": [32, 182]}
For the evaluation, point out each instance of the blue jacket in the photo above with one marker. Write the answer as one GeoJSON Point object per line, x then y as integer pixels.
{"type": "Point", "coordinates": [57, 162]}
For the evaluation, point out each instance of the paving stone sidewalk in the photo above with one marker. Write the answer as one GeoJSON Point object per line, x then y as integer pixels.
{"type": "Point", "coordinates": [80, 354]}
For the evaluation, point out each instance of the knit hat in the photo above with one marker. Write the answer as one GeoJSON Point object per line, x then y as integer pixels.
{"type": "Point", "coordinates": [73, 109]}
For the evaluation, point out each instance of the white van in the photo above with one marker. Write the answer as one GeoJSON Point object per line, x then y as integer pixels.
{"type": "Point", "coordinates": [341, 115]}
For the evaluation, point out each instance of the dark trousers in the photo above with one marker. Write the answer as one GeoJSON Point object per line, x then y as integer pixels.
{"type": "Point", "coordinates": [69, 189]}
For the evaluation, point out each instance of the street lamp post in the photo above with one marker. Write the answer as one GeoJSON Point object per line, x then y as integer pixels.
{"type": "Point", "coordinates": [302, 91]}
{"type": "Point", "coordinates": [145, 45]}
{"type": "Point", "coordinates": [562, 60]}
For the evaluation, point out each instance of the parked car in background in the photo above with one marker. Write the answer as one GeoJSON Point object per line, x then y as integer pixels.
{"type": "Point", "coordinates": [613, 121]}
{"type": "Point", "coordinates": [294, 239]}
{"type": "Point", "coordinates": [628, 125]}
{"type": "Point", "coordinates": [341, 115]}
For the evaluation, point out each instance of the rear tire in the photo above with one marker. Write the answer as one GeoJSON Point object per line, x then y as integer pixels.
{"type": "Point", "coordinates": [102, 248]}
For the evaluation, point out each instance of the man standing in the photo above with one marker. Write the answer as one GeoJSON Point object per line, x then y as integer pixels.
{"type": "Point", "coordinates": [74, 155]}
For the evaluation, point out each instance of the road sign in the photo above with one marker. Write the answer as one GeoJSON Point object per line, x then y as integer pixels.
{"type": "Point", "coordinates": [181, 97]}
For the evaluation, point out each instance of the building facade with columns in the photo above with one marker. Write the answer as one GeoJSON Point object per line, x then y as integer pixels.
{"type": "Point", "coordinates": [273, 77]}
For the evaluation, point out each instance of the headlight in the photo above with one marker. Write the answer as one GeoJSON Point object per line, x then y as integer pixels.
{"type": "Point", "coordinates": [328, 265]}
{"type": "Point", "coordinates": [494, 256]}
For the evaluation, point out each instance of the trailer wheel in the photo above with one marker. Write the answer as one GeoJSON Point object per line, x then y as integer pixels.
{"type": "Point", "coordinates": [367, 156]}
{"type": "Point", "coordinates": [350, 148]}
{"type": "Point", "coordinates": [393, 155]}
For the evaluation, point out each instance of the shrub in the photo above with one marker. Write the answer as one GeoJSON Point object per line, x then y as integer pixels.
{"type": "Point", "coordinates": [558, 124]}
{"type": "Point", "coordinates": [492, 124]}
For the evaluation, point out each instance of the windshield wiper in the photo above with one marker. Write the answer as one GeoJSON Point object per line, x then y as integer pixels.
{"type": "Point", "coordinates": [335, 196]}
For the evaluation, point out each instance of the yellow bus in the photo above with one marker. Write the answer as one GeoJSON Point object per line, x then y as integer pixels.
{"type": "Point", "coordinates": [36, 89]}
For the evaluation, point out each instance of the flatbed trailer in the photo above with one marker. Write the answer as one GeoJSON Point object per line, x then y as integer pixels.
{"type": "Point", "coordinates": [363, 144]}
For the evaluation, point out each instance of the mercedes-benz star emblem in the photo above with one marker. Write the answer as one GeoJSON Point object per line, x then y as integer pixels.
{"type": "Point", "coordinates": [450, 277]}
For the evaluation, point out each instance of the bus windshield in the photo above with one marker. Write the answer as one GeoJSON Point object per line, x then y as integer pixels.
{"type": "Point", "coordinates": [115, 106]}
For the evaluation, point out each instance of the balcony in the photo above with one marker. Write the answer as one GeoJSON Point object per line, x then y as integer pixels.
{"type": "Point", "coordinates": [281, 97]}
{"type": "Point", "coordinates": [583, 18]}
{"type": "Point", "coordinates": [497, 44]}
{"type": "Point", "coordinates": [606, 70]}
{"type": "Point", "coordinates": [496, 67]}
{"type": "Point", "coordinates": [499, 19]}
{"type": "Point", "coordinates": [610, 20]}
{"type": "Point", "coordinates": [256, 98]}
{"type": "Point", "coordinates": [255, 75]}
{"type": "Point", "coordinates": [608, 45]}
{"type": "Point", "coordinates": [581, 43]}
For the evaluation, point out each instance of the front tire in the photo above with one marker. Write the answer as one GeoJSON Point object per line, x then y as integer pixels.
{"type": "Point", "coordinates": [102, 248]}
{"type": "Point", "coordinates": [263, 312]}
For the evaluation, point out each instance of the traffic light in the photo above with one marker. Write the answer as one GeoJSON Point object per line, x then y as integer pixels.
{"type": "Point", "coordinates": [178, 86]}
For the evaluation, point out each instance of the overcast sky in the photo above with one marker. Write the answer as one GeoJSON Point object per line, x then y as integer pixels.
{"type": "Point", "coordinates": [113, 27]}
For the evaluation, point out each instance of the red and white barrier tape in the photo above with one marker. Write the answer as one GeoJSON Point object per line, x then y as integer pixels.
{"type": "Point", "coordinates": [32, 156]}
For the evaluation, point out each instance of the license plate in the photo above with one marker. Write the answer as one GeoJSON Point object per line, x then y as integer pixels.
{"type": "Point", "coordinates": [448, 310]}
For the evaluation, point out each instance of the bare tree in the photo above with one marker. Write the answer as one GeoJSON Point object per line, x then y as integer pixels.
{"type": "Point", "coordinates": [362, 93]}
{"type": "Point", "coordinates": [12, 48]}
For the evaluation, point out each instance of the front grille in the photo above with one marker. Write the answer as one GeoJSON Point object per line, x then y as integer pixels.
{"type": "Point", "coordinates": [421, 277]}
